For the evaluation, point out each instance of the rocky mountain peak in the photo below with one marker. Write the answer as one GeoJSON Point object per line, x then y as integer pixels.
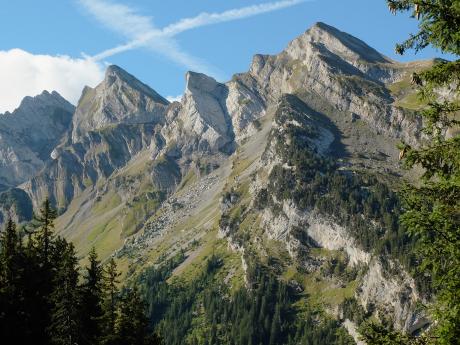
{"type": "Point", "coordinates": [203, 118]}
{"type": "Point", "coordinates": [119, 98]}
{"type": "Point", "coordinates": [338, 42]}
{"type": "Point", "coordinates": [30, 133]}
{"type": "Point", "coordinates": [199, 82]}
{"type": "Point", "coordinates": [45, 99]}
{"type": "Point", "coordinates": [205, 97]}
{"type": "Point", "coordinates": [36, 110]}
{"type": "Point", "coordinates": [115, 75]}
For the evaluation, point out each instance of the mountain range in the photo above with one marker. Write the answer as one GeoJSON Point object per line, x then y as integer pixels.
{"type": "Point", "coordinates": [292, 165]}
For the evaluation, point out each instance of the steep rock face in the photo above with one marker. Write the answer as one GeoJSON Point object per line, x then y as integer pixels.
{"type": "Point", "coordinates": [120, 98]}
{"type": "Point", "coordinates": [202, 122]}
{"type": "Point", "coordinates": [295, 209]}
{"type": "Point", "coordinates": [394, 293]}
{"type": "Point", "coordinates": [15, 203]}
{"type": "Point", "coordinates": [112, 123]}
{"type": "Point", "coordinates": [337, 45]}
{"type": "Point", "coordinates": [80, 165]}
{"type": "Point", "coordinates": [245, 103]}
{"type": "Point", "coordinates": [340, 69]}
{"type": "Point", "coordinates": [29, 134]}
{"type": "Point", "coordinates": [323, 231]}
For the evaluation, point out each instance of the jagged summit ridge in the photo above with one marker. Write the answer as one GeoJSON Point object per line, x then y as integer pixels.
{"type": "Point", "coordinates": [206, 95]}
{"type": "Point", "coordinates": [29, 134]}
{"type": "Point", "coordinates": [202, 122]}
{"type": "Point", "coordinates": [323, 46]}
{"type": "Point", "coordinates": [343, 43]}
{"type": "Point", "coordinates": [34, 103]}
{"type": "Point", "coordinates": [215, 117]}
{"type": "Point", "coordinates": [114, 73]}
{"type": "Point", "coordinates": [326, 39]}
{"type": "Point", "coordinates": [119, 98]}
{"type": "Point", "coordinates": [45, 98]}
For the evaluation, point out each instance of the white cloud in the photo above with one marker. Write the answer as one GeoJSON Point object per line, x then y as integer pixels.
{"type": "Point", "coordinates": [141, 31]}
{"type": "Point", "coordinates": [25, 74]}
{"type": "Point", "coordinates": [174, 98]}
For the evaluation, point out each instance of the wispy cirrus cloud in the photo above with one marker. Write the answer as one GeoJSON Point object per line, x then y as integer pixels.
{"type": "Point", "coordinates": [204, 19]}
{"type": "Point", "coordinates": [141, 32]}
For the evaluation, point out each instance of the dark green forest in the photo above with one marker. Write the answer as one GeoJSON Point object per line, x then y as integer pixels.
{"type": "Point", "coordinates": [264, 313]}
{"type": "Point", "coordinates": [46, 298]}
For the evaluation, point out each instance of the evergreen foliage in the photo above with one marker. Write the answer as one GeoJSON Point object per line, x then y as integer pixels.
{"type": "Point", "coordinates": [131, 324]}
{"type": "Point", "coordinates": [65, 325]}
{"type": "Point", "coordinates": [110, 303]}
{"type": "Point", "coordinates": [91, 298]}
{"type": "Point", "coordinates": [205, 312]}
{"type": "Point", "coordinates": [44, 299]}
{"type": "Point", "coordinates": [432, 209]}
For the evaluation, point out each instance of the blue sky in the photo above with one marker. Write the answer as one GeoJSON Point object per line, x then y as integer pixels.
{"type": "Point", "coordinates": [39, 33]}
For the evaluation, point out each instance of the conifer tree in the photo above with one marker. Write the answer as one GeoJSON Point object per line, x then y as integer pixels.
{"type": "Point", "coordinates": [92, 299]}
{"type": "Point", "coordinates": [10, 246]}
{"type": "Point", "coordinates": [132, 324]}
{"type": "Point", "coordinates": [65, 314]}
{"type": "Point", "coordinates": [11, 322]}
{"type": "Point", "coordinates": [44, 235]}
{"type": "Point", "coordinates": [432, 209]}
{"type": "Point", "coordinates": [42, 303]}
{"type": "Point", "coordinates": [110, 304]}
{"type": "Point", "coordinates": [34, 291]}
{"type": "Point", "coordinates": [47, 258]}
